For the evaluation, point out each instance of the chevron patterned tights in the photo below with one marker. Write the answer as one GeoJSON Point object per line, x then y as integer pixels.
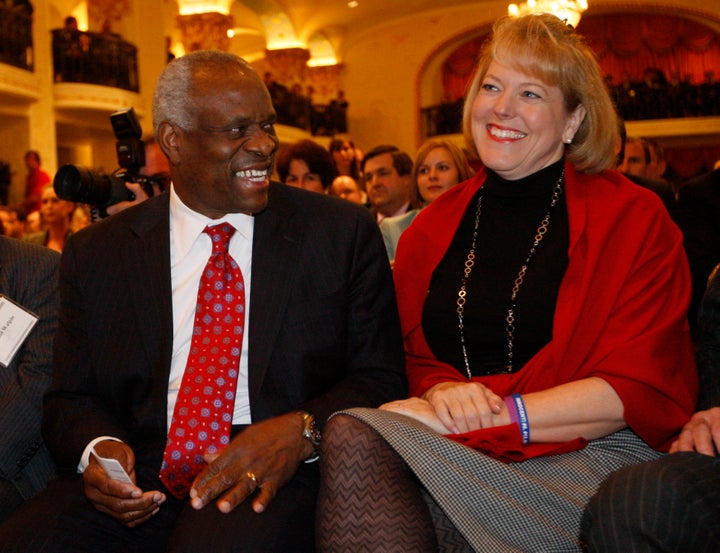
{"type": "Point", "coordinates": [369, 499]}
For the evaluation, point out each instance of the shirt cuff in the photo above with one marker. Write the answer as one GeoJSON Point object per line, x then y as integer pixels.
{"type": "Point", "coordinates": [85, 459]}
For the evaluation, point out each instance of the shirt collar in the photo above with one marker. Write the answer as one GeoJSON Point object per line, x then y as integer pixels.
{"type": "Point", "coordinates": [187, 225]}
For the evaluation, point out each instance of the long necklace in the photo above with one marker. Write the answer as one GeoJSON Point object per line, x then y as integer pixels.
{"type": "Point", "coordinates": [519, 280]}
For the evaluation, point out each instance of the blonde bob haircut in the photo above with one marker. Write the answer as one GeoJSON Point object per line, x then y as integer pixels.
{"type": "Point", "coordinates": [547, 49]}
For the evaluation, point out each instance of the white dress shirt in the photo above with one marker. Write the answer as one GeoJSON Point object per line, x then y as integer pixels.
{"type": "Point", "coordinates": [190, 249]}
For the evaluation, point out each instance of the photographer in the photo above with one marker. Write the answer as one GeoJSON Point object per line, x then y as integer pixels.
{"type": "Point", "coordinates": [156, 167]}
{"type": "Point", "coordinates": [143, 172]}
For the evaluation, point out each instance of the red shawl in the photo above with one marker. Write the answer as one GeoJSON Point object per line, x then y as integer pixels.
{"type": "Point", "coordinates": [620, 313]}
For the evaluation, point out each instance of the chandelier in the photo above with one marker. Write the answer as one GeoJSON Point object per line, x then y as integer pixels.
{"type": "Point", "coordinates": [567, 10]}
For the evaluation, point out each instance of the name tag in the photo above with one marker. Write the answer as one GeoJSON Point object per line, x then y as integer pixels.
{"type": "Point", "coordinates": [15, 325]}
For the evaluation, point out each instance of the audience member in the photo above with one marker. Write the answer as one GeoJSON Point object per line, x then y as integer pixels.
{"type": "Point", "coordinates": [29, 279]}
{"type": "Point", "coordinates": [542, 305]}
{"type": "Point", "coordinates": [636, 157]}
{"type": "Point", "coordinates": [320, 333]}
{"type": "Point", "coordinates": [36, 179]}
{"type": "Point", "coordinates": [278, 95]}
{"type": "Point", "coordinates": [388, 181]}
{"type": "Point", "coordinates": [439, 165]}
{"type": "Point", "coordinates": [10, 218]}
{"type": "Point", "coordinates": [672, 504]}
{"type": "Point", "coordinates": [306, 164]}
{"type": "Point", "coordinates": [347, 188]}
{"type": "Point", "coordinates": [344, 158]}
{"type": "Point", "coordinates": [657, 166]}
{"type": "Point", "coordinates": [699, 219]}
{"type": "Point", "coordinates": [634, 160]}
{"type": "Point", "coordinates": [55, 214]}
{"type": "Point", "coordinates": [33, 223]}
{"type": "Point", "coordinates": [337, 113]}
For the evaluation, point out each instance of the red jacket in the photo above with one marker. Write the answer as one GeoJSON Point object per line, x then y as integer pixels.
{"type": "Point", "coordinates": [620, 313]}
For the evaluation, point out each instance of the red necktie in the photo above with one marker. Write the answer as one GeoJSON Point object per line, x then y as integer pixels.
{"type": "Point", "coordinates": [204, 409]}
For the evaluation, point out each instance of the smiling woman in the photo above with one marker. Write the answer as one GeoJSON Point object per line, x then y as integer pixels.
{"type": "Point", "coordinates": [538, 354]}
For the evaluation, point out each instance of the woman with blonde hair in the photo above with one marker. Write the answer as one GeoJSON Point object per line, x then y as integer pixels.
{"type": "Point", "coordinates": [55, 215]}
{"type": "Point", "coordinates": [543, 309]}
{"type": "Point", "coordinates": [439, 165]}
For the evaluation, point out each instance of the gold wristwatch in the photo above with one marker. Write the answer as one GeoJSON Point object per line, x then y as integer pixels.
{"type": "Point", "coordinates": [312, 433]}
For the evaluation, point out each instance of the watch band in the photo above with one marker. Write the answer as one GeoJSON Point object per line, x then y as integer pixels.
{"type": "Point", "coordinates": [312, 433]}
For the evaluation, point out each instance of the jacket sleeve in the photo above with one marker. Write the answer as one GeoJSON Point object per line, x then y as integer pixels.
{"type": "Point", "coordinates": [34, 286]}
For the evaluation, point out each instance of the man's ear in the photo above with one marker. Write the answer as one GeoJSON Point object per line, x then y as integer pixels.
{"type": "Point", "coordinates": [169, 140]}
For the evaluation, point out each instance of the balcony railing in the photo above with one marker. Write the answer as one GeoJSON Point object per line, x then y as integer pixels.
{"type": "Point", "coordinates": [94, 58]}
{"type": "Point", "coordinates": [16, 47]}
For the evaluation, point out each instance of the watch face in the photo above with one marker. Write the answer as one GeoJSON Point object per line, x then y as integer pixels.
{"type": "Point", "coordinates": [311, 431]}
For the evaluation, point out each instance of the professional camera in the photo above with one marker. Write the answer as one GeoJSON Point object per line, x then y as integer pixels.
{"type": "Point", "coordinates": [80, 184]}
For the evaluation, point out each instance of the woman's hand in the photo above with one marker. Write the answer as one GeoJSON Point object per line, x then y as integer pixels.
{"type": "Point", "coordinates": [418, 409]}
{"type": "Point", "coordinates": [465, 406]}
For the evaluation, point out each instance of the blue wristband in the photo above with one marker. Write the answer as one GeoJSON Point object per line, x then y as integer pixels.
{"type": "Point", "coordinates": [522, 418]}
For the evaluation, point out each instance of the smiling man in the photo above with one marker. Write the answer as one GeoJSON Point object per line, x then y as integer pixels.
{"type": "Point", "coordinates": [211, 393]}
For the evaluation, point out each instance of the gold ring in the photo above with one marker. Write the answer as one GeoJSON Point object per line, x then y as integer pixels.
{"type": "Point", "coordinates": [251, 476]}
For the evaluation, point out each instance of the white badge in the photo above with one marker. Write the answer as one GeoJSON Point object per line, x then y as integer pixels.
{"type": "Point", "coordinates": [15, 325]}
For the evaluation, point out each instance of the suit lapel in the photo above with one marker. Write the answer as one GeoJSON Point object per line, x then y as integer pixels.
{"type": "Point", "coordinates": [147, 265]}
{"type": "Point", "coordinates": [276, 238]}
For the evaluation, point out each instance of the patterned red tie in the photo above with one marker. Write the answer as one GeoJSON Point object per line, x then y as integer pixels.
{"type": "Point", "coordinates": [203, 412]}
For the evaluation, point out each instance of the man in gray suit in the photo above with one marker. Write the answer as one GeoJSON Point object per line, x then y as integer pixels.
{"type": "Point", "coordinates": [28, 278]}
{"type": "Point", "coordinates": [321, 334]}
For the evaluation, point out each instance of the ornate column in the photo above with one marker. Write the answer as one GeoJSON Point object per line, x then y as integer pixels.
{"type": "Point", "coordinates": [288, 65]}
{"type": "Point", "coordinates": [325, 79]}
{"type": "Point", "coordinates": [205, 31]}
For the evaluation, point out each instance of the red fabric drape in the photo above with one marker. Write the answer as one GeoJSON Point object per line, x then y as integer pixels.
{"type": "Point", "coordinates": [458, 68]}
{"type": "Point", "coordinates": [626, 44]}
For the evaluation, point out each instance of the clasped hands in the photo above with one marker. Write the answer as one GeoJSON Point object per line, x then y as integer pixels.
{"type": "Point", "coordinates": [454, 407]}
{"type": "Point", "coordinates": [264, 456]}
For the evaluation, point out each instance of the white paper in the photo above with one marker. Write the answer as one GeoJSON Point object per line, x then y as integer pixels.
{"type": "Point", "coordinates": [15, 325]}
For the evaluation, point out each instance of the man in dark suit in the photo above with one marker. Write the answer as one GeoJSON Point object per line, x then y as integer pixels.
{"type": "Point", "coordinates": [699, 219]}
{"type": "Point", "coordinates": [28, 277]}
{"type": "Point", "coordinates": [389, 182]}
{"type": "Point", "coordinates": [672, 504]}
{"type": "Point", "coordinates": [321, 334]}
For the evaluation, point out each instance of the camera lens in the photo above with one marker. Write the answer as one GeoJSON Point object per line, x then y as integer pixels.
{"type": "Point", "coordinates": [79, 184]}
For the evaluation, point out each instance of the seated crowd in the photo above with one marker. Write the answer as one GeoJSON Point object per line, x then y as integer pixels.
{"type": "Point", "coordinates": [309, 348]}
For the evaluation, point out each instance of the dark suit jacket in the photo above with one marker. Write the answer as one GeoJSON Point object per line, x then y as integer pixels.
{"type": "Point", "coordinates": [29, 277]}
{"type": "Point", "coordinates": [324, 332]}
{"type": "Point", "coordinates": [699, 219]}
{"type": "Point", "coordinates": [708, 352]}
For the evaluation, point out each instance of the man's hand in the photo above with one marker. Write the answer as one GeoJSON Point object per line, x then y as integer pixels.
{"type": "Point", "coordinates": [270, 451]}
{"type": "Point", "coordinates": [465, 406]}
{"type": "Point", "coordinates": [701, 433]}
{"type": "Point", "coordinates": [138, 192]}
{"type": "Point", "coordinates": [126, 503]}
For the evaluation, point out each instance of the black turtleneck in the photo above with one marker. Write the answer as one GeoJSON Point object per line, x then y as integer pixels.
{"type": "Point", "coordinates": [511, 213]}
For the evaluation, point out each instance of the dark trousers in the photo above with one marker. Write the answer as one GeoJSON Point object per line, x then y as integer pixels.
{"type": "Point", "coordinates": [62, 520]}
{"type": "Point", "coordinates": [668, 505]}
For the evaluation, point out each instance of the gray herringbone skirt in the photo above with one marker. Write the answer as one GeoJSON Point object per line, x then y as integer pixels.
{"type": "Point", "coordinates": [531, 506]}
